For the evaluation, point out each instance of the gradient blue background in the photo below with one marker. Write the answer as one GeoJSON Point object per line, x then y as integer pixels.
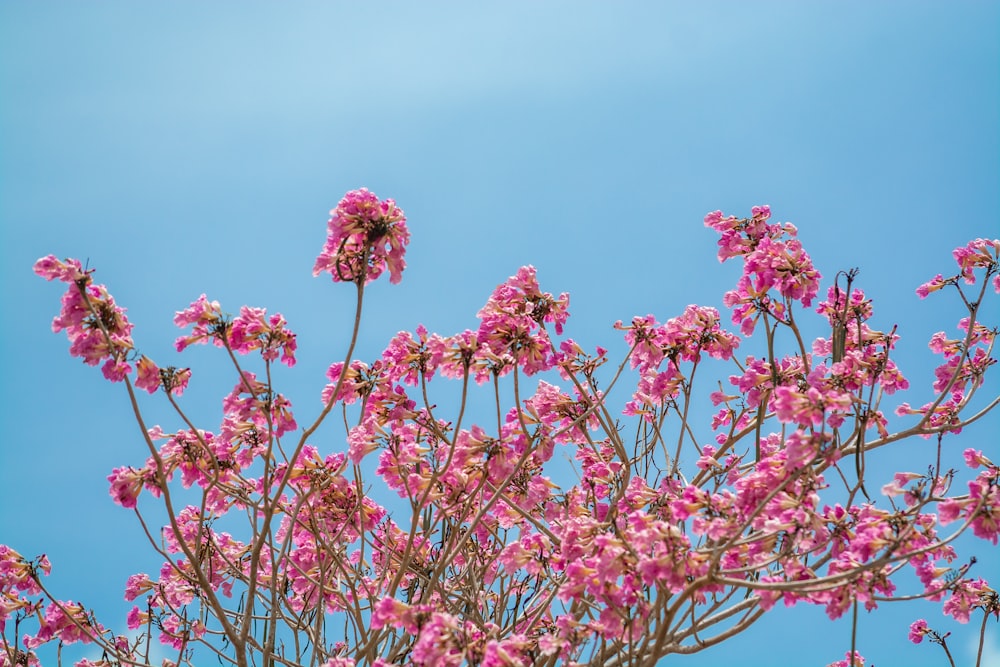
{"type": "Point", "coordinates": [184, 149]}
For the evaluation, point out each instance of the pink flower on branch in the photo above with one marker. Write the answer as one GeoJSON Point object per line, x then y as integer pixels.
{"type": "Point", "coordinates": [855, 660]}
{"type": "Point", "coordinates": [96, 326]}
{"type": "Point", "coordinates": [936, 283]}
{"type": "Point", "coordinates": [365, 236]}
{"type": "Point", "coordinates": [980, 253]}
{"type": "Point", "coordinates": [206, 316]}
{"type": "Point", "coordinates": [812, 407]}
{"type": "Point", "coordinates": [918, 630]}
{"type": "Point", "coordinates": [512, 324]}
{"type": "Point", "coordinates": [977, 254]}
{"type": "Point", "coordinates": [67, 622]}
{"type": "Point", "coordinates": [253, 330]}
{"type": "Point", "coordinates": [151, 377]}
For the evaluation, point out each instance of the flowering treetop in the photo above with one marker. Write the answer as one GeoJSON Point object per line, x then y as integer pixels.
{"type": "Point", "coordinates": [667, 542]}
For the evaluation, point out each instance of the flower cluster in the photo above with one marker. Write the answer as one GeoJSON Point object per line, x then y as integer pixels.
{"type": "Point", "coordinates": [251, 330]}
{"type": "Point", "coordinates": [966, 358]}
{"type": "Point", "coordinates": [365, 236]}
{"type": "Point", "coordinates": [96, 326]}
{"type": "Point", "coordinates": [658, 351]}
{"type": "Point", "coordinates": [512, 323]}
{"type": "Point", "coordinates": [773, 259]}
{"type": "Point", "coordinates": [18, 579]}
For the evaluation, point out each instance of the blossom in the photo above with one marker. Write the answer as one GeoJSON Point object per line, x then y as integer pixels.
{"type": "Point", "coordinates": [206, 316]}
{"type": "Point", "coordinates": [70, 271]}
{"type": "Point", "coordinates": [406, 358]}
{"type": "Point", "coordinates": [126, 483]}
{"type": "Point", "coordinates": [253, 330]}
{"type": "Point", "coordinates": [136, 585]}
{"type": "Point", "coordinates": [979, 253]}
{"type": "Point", "coordinates": [66, 621]}
{"type": "Point", "coordinates": [812, 406]}
{"type": "Point", "coordinates": [148, 375]}
{"type": "Point", "coordinates": [934, 284]}
{"type": "Point", "coordinates": [512, 322]}
{"type": "Point", "coordinates": [965, 596]}
{"type": "Point", "coordinates": [493, 544]}
{"type": "Point", "coordinates": [95, 325]}
{"type": "Point", "coordinates": [339, 662]}
{"type": "Point", "coordinates": [136, 618]}
{"type": "Point", "coordinates": [918, 629]}
{"type": "Point", "coordinates": [365, 236]}
{"type": "Point", "coordinates": [855, 660]}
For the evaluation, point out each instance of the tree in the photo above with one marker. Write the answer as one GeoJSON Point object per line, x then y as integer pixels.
{"type": "Point", "coordinates": [276, 552]}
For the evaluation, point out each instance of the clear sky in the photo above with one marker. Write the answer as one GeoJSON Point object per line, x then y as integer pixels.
{"type": "Point", "coordinates": [186, 148]}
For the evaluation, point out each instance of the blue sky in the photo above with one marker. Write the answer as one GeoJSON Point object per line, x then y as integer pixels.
{"type": "Point", "coordinates": [184, 149]}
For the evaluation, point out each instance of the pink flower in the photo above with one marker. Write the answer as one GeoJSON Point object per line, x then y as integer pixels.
{"type": "Point", "coordinates": [512, 323]}
{"type": "Point", "coordinates": [126, 483]}
{"type": "Point", "coordinates": [856, 660]}
{"type": "Point", "coordinates": [67, 622]}
{"type": "Point", "coordinates": [206, 316]}
{"type": "Point", "coordinates": [148, 375]}
{"type": "Point", "coordinates": [339, 662]}
{"type": "Point", "coordinates": [136, 618]}
{"type": "Point", "coordinates": [361, 440]}
{"type": "Point", "coordinates": [966, 595]}
{"type": "Point", "coordinates": [980, 253]}
{"type": "Point", "coordinates": [933, 285]}
{"type": "Point", "coordinates": [365, 236]}
{"type": "Point", "coordinates": [918, 629]}
{"type": "Point", "coordinates": [253, 330]}
{"type": "Point", "coordinates": [899, 486]}
{"type": "Point", "coordinates": [974, 458]}
{"type": "Point", "coordinates": [70, 271]}
{"type": "Point", "coordinates": [811, 407]}
{"type": "Point", "coordinates": [136, 585]}
{"type": "Point", "coordinates": [95, 325]}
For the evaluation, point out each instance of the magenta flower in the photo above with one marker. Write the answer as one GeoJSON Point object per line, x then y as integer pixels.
{"type": "Point", "coordinates": [513, 319]}
{"type": "Point", "coordinates": [856, 660]}
{"type": "Point", "coordinates": [253, 330]}
{"type": "Point", "coordinates": [70, 271]}
{"type": "Point", "coordinates": [67, 622]}
{"type": "Point", "coordinates": [136, 585]}
{"type": "Point", "coordinates": [136, 619]}
{"type": "Point", "coordinates": [95, 325]}
{"type": "Point", "coordinates": [918, 629]}
{"type": "Point", "coordinates": [933, 285]}
{"type": "Point", "coordinates": [979, 253]}
{"type": "Point", "coordinates": [365, 237]}
{"type": "Point", "coordinates": [148, 375]}
{"type": "Point", "coordinates": [206, 316]}
{"type": "Point", "coordinates": [126, 483]}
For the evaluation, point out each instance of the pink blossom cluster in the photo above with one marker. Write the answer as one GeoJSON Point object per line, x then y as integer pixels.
{"type": "Point", "coordinates": [96, 326]}
{"type": "Point", "coordinates": [977, 254]}
{"type": "Point", "coordinates": [365, 236]}
{"type": "Point", "coordinates": [22, 595]}
{"type": "Point", "coordinates": [18, 579]}
{"type": "Point", "coordinates": [658, 351]}
{"type": "Point", "coordinates": [512, 323]}
{"type": "Point", "coordinates": [851, 659]}
{"type": "Point", "coordinates": [981, 507]}
{"type": "Point", "coordinates": [210, 462]}
{"type": "Point", "coordinates": [251, 330]}
{"type": "Point", "coordinates": [966, 360]}
{"type": "Point", "coordinates": [208, 560]}
{"type": "Point", "coordinates": [773, 260]}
